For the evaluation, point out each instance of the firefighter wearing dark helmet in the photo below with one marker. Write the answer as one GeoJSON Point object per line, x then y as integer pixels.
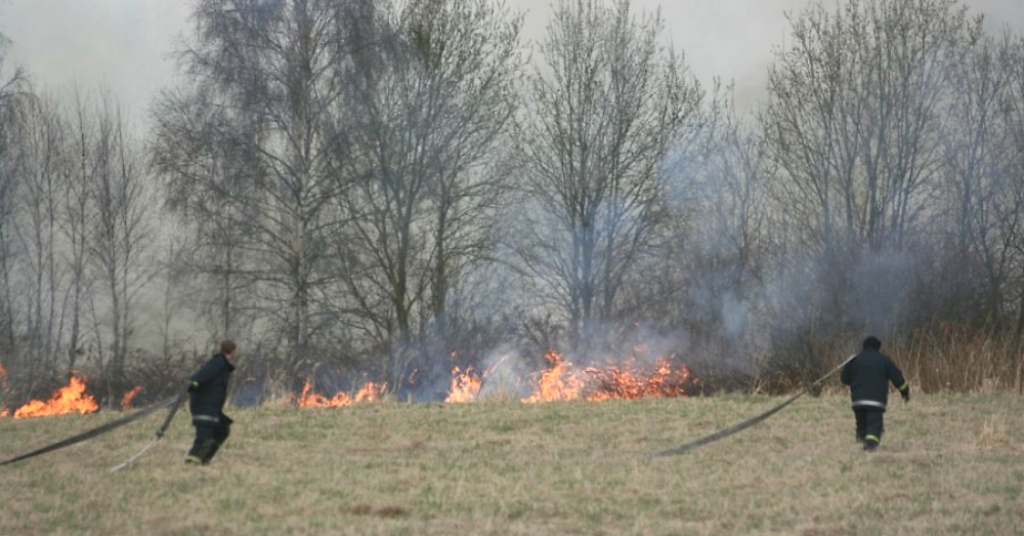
{"type": "Point", "coordinates": [868, 374]}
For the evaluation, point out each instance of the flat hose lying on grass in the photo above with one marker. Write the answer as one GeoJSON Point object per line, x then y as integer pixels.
{"type": "Point", "coordinates": [159, 434]}
{"type": "Point", "coordinates": [99, 430]}
{"type": "Point", "coordinates": [726, 432]}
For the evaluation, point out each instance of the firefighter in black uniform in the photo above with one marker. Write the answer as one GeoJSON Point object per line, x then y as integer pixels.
{"type": "Point", "coordinates": [868, 375]}
{"type": "Point", "coordinates": [208, 389]}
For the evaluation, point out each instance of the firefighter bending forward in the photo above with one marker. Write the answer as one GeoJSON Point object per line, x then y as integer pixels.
{"type": "Point", "coordinates": [868, 375]}
{"type": "Point", "coordinates": [208, 391]}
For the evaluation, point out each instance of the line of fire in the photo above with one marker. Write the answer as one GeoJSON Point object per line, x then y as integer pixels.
{"type": "Point", "coordinates": [627, 379]}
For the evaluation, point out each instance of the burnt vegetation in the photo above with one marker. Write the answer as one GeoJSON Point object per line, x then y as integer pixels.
{"type": "Point", "coordinates": [385, 190]}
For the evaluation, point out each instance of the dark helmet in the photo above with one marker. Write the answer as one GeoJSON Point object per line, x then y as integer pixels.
{"type": "Point", "coordinates": [872, 343]}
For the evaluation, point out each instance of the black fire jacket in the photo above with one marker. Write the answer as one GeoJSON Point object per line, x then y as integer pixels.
{"type": "Point", "coordinates": [868, 376]}
{"type": "Point", "coordinates": [208, 390]}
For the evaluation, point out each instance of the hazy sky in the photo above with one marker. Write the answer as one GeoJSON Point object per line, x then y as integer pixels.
{"type": "Point", "coordinates": [124, 43]}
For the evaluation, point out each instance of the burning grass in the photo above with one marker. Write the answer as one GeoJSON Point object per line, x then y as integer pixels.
{"type": "Point", "coordinates": [627, 379]}
{"type": "Point", "coordinates": [561, 381]}
{"type": "Point", "coordinates": [944, 468]}
{"type": "Point", "coordinates": [128, 399]}
{"type": "Point", "coordinates": [465, 386]}
{"type": "Point", "coordinates": [369, 392]}
{"type": "Point", "coordinates": [71, 398]}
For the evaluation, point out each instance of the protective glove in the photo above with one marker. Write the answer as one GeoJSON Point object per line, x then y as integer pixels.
{"type": "Point", "coordinates": [905, 393]}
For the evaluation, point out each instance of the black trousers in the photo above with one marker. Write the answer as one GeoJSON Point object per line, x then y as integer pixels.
{"type": "Point", "coordinates": [209, 438]}
{"type": "Point", "coordinates": [870, 423]}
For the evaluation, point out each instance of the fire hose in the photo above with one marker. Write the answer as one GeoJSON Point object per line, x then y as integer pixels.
{"type": "Point", "coordinates": [739, 427]}
{"type": "Point", "coordinates": [159, 434]}
{"type": "Point", "coordinates": [112, 425]}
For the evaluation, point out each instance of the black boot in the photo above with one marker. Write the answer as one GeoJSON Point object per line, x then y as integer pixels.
{"type": "Point", "coordinates": [210, 452]}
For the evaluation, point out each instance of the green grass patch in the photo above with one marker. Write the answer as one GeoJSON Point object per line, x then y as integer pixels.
{"type": "Point", "coordinates": [948, 465]}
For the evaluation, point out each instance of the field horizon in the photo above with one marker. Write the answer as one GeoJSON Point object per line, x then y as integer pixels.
{"type": "Point", "coordinates": [948, 464]}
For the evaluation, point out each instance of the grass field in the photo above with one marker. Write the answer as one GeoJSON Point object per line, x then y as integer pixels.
{"type": "Point", "coordinates": [948, 465]}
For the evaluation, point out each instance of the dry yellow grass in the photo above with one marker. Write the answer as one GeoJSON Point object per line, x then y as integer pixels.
{"type": "Point", "coordinates": [948, 465]}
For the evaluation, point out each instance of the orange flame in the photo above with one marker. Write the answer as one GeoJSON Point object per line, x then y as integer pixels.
{"type": "Point", "coordinates": [465, 386]}
{"type": "Point", "coordinates": [69, 399]}
{"type": "Point", "coordinates": [126, 401]}
{"type": "Point", "coordinates": [560, 382]}
{"type": "Point", "coordinates": [370, 392]}
{"type": "Point", "coordinates": [617, 383]}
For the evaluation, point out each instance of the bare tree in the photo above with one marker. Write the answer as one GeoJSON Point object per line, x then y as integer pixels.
{"type": "Point", "coordinates": [174, 280]}
{"type": "Point", "coordinates": [267, 78]}
{"type": "Point", "coordinates": [1013, 122]}
{"type": "Point", "coordinates": [427, 115]}
{"type": "Point", "coordinates": [44, 161]}
{"type": "Point", "coordinates": [13, 92]}
{"type": "Point", "coordinates": [852, 122]}
{"type": "Point", "coordinates": [204, 186]}
{"type": "Point", "coordinates": [731, 247]}
{"type": "Point", "coordinates": [852, 114]}
{"type": "Point", "coordinates": [76, 219]}
{"type": "Point", "coordinates": [602, 109]}
{"type": "Point", "coordinates": [980, 182]}
{"type": "Point", "coordinates": [119, 232]}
